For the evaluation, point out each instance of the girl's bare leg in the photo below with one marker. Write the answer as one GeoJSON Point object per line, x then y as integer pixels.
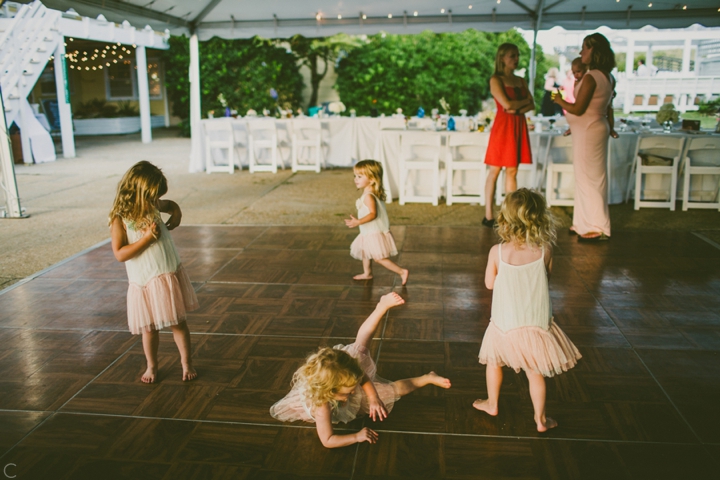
{"type": "Point", "coordinates": [181, 334]}
{"type": "Point", "coordinates": [537, 394]}
{"type": "Point", "coordinates": [393, 267]}
{"type": "Point", "coordinates": [367, 270]}
{"type": "Point", "coordinates": [510, 180]}
{"type": "Point", "coordinates": [408, 385]}
{"type": "Point", "coordinates": [493, 379]}
{"type": "Point", "coordinates": [151, 341]}
{"type": "Point", "coordinates": [492, 176]}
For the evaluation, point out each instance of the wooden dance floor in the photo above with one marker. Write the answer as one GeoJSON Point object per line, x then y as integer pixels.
{"type": "Point", "coordinates": [644, 310]}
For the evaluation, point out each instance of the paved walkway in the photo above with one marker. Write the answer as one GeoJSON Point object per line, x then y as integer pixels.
{"type": "Point", "coordinates": [642, 403]}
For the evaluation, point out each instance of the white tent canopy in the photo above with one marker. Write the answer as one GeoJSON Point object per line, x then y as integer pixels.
{"type": "Point", "coordinates": [273, 19]}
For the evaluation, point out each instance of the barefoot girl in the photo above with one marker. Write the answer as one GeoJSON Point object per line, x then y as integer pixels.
{"type": "Point", "coordinates": [375, 241]}
{"type": "Point", "coordinates": [160, 291]}
{"type": "Point", "coordinates": [522, 334]}
{"type": "Point", "coordinates": [339, 384]}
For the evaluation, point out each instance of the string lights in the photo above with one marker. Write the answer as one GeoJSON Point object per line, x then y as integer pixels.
{"type": "Point", "coordinates": [96, 59]}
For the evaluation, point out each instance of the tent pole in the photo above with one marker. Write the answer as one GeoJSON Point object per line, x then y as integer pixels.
{"type": "Point", "coordinates": [8, 181]}
{"type": "Point", "coordinates": [63, 99]}
{"type": "Point", "coordinates": [533, 60]}
{"type": "Point", "coordinates": [143, 93]}
{"type": "Point", "coordinates": [194, 101]}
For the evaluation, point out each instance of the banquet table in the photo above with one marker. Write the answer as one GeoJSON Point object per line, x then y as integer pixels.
{"type": "Point", "coordinates": [346, 140]}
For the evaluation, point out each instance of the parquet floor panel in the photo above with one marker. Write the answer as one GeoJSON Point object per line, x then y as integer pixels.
{"type": "Point", "coordinates": [644, 310]}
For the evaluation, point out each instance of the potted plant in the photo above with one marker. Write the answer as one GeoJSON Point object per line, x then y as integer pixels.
{"type": "Point", "coordinates": [98, 117]}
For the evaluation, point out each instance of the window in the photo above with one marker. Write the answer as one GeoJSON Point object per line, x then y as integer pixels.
{"type": "Point", "coordinates": [121, 80]}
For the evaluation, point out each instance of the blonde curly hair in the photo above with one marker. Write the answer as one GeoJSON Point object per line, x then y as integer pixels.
{"type": "Point", "coordinates": [373, 170]}
{"type": "Point", "coordinates": [137, 195]}
{"type": "Point", "coordinates": [325, 372]}
{"type": "Point", "coordinates": [525, 219]}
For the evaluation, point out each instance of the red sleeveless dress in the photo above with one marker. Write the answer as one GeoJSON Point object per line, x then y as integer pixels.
{"type": "Point", "coordinates": [509, 143]}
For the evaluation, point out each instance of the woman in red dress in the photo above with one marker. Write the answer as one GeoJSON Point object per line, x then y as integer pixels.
{"type": "Point", "coordinates": [509, 144]}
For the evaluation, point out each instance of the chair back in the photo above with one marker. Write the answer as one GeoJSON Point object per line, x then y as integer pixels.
{"type": "Point", "coordinates": [419, 147]}
{"type": "Point", "coordinates": [392, 123]}
{"type": "Point", "coordinates": [262, 129]}
{"type": "Point", "coordinates": [420, 124]}
{"type": "Point", "coordinates": [704, 152]}
{"type": "Point", "coordinates": [660, 145]}
{"type": "Point", "coordinates": [307, 128]}
{"type": "Point", "coordinates": [218, 130]}
{"type": "Point", "coordinates": [468, 147]}
{"type": "Point", "coordinates": [560, 149]}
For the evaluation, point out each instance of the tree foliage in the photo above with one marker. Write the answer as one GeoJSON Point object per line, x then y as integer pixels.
{"type": "Point", "coordinates": [409, 71]}
{"type": "Point", "coordinates": [246, 72]}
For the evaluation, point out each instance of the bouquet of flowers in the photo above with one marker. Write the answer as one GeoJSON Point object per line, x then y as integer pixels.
{"type": "Point", "coordinates": [221, 99]}
{"type": "Point", "coordinates": [667, 113]}
{"type": "Point", "coordinates": [336, 107]}
{"type": "Point", "coordinates": [251, 113]}
{"type": "Point", "coordinates": [445, 106]}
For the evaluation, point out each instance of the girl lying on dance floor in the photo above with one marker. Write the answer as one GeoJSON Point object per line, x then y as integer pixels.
{"type": "Point", "coordinates": [340, 384]}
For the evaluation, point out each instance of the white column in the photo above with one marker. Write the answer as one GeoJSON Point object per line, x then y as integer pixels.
{"type": "Point", "coordinates": [649, 56]}
{"type": "Point", "coordinates": [629, 82]}
{"type": "Point", "coordinates": [195, 154]}
{"type": "Point", "coordinates": [24, 132]}
{"type": "Point", "coordinates": [166, 104]}
{"type": "Point", "coordinates": [143, 93]}
{"type": "Point", "coordinates": [63, 99]}
{"type": "Point", "coordinates": [687, 50]}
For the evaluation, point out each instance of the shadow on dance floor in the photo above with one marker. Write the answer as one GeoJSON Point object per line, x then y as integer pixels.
{"type": "Point", "coordinates": [644, 310]}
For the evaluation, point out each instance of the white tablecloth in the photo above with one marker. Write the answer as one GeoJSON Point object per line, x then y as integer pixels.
{"type": "Point", "coordinates": [346, 140]}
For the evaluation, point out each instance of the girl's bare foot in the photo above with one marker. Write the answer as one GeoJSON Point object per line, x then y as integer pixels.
{"type": "Point", "coordinates": [189, 373]}
{"type": "Point", "coordinates": [437, 380]}
{"type": "Point", "coordinates": [404, 276]}
{"type": "Point", "coordinates": [546, 425]}
{"type": "Point", "coordinates": [363, 276]}
{"type": "Point", "coordinates": [390, 300]}
{"type": "Point", "coordinates": [485, 406]}
{"type": "Point", "coordinates": [149, 375]}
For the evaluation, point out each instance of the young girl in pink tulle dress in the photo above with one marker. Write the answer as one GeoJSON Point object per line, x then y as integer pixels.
{"type": "Point", "coordinates": [375, 241]}
{"type": "Point", "coordinates": [341, 383]}
{"type": "Point", "coordinates": [522, 333]}
{"type": "Point", "coordinates": [160, 292]}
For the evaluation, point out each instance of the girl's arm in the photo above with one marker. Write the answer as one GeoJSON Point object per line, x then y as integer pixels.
{"type": "Point", "coordinates": [168, 206]}
{"type": "Point", "coordinates": [498, 92]}
{"type": "Point", "coordinates": [369, 326]}
{"type": "Point", "coordinates": [548, 260]}
{"type": "Point", "coordinates": [587, 89]}
{"type": "Point", "coordinates": [492, 268]}
{"type": "Point", "coordinates": [376, 407]}
{"type": "Point", "coordinates": [369, 202]}
{"type": "Point", "coordinates": [323, 424]}
{"type": "Point", "coordinates": [123, 250]}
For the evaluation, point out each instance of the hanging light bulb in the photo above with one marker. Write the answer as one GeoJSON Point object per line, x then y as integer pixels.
{"type": "Point", "coordinates": [415, 13]}
{"type": "Point", "coordinates": [442, 10]}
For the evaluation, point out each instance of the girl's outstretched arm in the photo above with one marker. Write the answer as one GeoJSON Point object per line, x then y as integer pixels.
{"type": "Point", "coordinates": [168, 206]}
{"type": "Point", "coordinates": [323, 424]}
{"type": "Point", "coordinates": [377, 410]}
{"type": "Point", "coordinates": [123, 250]}
{"type": "Point", "coordinates": [365, 333]}
{"type": "Point", "coordinates": [492, 268]}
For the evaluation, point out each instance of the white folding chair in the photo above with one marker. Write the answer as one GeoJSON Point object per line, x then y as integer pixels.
{"type": "Point", "coordinates": [306, 136]}
{"type": "Point", "coordinates": [702, 158]}
{"type": "Point", "coordinates": [262, 137]}
{"type": "Point", "coordinates": [467, 157]}
{"type": "Point", "coordinates": [649, 153]}
{"type": "Point", "coordinates": [392, 123]}
{"type": "Point", "coordinates": [559, 190]}
{"type": "Point", "coordinates": [420, 152]}
{"type": "Point", "coordinates": [420, 124]}
{"type": "Point", "coordinates": [219, 138]}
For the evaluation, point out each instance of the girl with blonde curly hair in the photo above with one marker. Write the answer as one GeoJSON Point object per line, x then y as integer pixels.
{"type": "Point", "coordinates": [522, 333]}
{"type": "Point", "coordinates": [341, 383]}
{"type": "Point", "coordinates": [160, 292]}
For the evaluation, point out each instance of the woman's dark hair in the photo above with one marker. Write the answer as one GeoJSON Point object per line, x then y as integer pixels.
{"type": "Point", "coordinates": [603, 57]}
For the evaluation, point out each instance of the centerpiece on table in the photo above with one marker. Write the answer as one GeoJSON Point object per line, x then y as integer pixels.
{"type": "Point", "coordinates": [667, 116]}
{"type": "Point", "coordinates": [336, 108]}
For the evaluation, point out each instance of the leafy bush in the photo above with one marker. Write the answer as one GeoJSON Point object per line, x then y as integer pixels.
{"type": "Point", "coordinates": [245, 72]}
{"type": "Point", "coordinates": [710, 107]}
{"type": "Point", "coordinates": [100, 108]}
{"type": "Point", "coordinates": [409, 71]}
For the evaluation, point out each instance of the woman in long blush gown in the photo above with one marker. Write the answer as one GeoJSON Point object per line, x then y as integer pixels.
{"type": "Point", "coordinates": [591, 122]}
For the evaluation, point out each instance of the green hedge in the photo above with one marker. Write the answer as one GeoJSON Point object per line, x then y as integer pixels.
{"type": "Point", "coordinates": [244, 71]}
{"type": "Point", "coordinates": [409, 71]}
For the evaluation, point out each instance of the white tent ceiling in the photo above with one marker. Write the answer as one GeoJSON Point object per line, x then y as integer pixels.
{"type": "Point", "coordinates": [282, 18]}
